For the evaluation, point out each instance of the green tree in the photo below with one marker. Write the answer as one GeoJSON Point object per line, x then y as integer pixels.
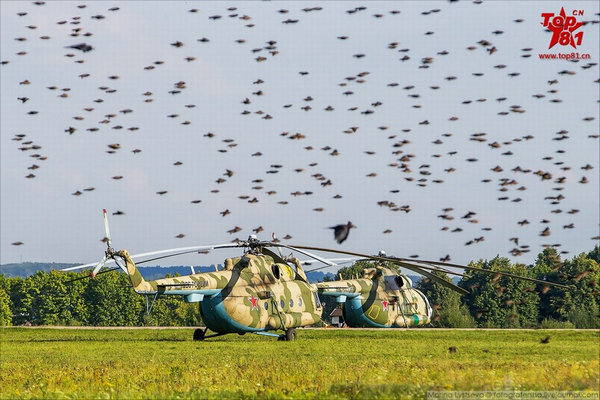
{"type": "Point", "coordinates": [164, 311]}
{"type": "Point", "coordinates": [75, 284]}
{"type": "Point", "coordinates": [499, 301]}
{"type": "Point", "coordinates": [5, 283]}
{"type": "Point", "coordinates": [552, 299]}
{"type": "Point", "coordinates": [5, 312]}
{"type": "Point", "coordinates": [577, 304]}
{"type": "Point", "coordinates": [5, 301]}
{"type": "Point", "coordinates": [189, 314]}
{"type": "Point", "coordinates": [583, 274]}
{"type": "Point", "coordinates": [595, 254]}
{"type": "Point", "coordinates": [22, 294]}
{"type": "Point", "coordinates": [356, 270]}
{"type": "Point", "coordinates": [448, 312]}
{"type": "Point", "coordinates": [112, 301]}
{"type": "Point", "coordinates": [52, 298]}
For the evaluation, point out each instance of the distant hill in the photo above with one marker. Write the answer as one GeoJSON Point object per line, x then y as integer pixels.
{"type": "Point", "coordinates": [26, 269]}
{"type": "Point", "coordinates": [29, 268]}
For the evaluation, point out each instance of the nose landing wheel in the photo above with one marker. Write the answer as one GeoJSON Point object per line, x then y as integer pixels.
{"type": "Point", "coordinates": [290, 335]}
{"type": "Point", "coordinates": [199, 334]}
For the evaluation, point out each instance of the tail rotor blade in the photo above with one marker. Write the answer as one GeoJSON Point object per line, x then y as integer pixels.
{"type": "Point", "coordinates": [89, 276]}
{"type": "Point", "coordinates": [99, 266]}
{"type": "Point", "coordinates": [106, 230]}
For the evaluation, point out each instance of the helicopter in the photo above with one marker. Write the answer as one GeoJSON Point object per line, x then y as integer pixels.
{"type": "Point", "coordinates": [383, 298]}
{"type": "Point", "coordinates": [257, 292]}
{"type": "Point", "coordinates": [380, 299]}
{"type": "Point", "coordinates": [261, 292]}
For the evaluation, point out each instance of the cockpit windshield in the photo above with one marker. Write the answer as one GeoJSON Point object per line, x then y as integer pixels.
{"type": "Point", "coordinates": [394, 282]}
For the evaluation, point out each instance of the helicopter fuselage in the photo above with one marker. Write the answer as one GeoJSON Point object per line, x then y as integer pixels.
{"type": "Point", "coordinates": [381, 299]}
{"type": "Point", "coordinates": [261, 295]}
{"type": "Point", "coordinates": [253, 293]}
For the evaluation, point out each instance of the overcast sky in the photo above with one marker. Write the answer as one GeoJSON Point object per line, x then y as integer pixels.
{"type": "Point", "coordinates": [409, 84]}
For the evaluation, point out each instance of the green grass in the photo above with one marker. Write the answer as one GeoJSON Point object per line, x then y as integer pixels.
{"type": "Point", "coordinates": [146, 363]}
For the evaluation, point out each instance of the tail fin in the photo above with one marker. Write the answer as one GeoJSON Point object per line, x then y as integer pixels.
{"type": "Point", "coordinates": [140, 285]}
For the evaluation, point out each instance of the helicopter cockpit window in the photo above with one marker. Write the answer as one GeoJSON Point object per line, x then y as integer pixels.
{"type": "Point", "coordinates": [275, 270]}
{"type": "Point", "coordinates": [282, 304]}
{"type": "Point", "coordinates": [266, 306]}
{"type": "Point", "coordinates": [399, 281]}
{"type": "Point", "coordinates": [317, 300]}
{"type": "Point", "coordinates": [394, 282]}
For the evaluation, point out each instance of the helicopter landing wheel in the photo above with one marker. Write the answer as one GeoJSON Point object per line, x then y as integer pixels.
{"type": "Point", "coordinates": [290, 334]}
{"type": "Point", "coordinates": [198, 335]}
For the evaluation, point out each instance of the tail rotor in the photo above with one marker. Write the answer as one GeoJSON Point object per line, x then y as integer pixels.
{"type": "Point", "coordinates": [106, 230]}
{"type": "Point", "coordinates": [109, 251]}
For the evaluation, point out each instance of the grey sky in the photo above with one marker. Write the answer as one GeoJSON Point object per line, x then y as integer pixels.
{"type": "Point", "coordinates": [55, 225]}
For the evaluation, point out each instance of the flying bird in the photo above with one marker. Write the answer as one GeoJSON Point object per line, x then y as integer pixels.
{"type": "Point", "coordinates": [81, 46]}
{"type": "Point", "coordinates": [340, 232]}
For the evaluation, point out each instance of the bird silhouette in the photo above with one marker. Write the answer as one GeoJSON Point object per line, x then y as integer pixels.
{"type": "Point", "coordinates": [341, 232]}
{"type": "Point", "coordinates": [81, 46]}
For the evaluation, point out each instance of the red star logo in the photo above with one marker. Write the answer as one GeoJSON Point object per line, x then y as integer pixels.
{"type": "Point", "coordinates": [385, 305]}
{"type": "Point", "coordinates": [567, 27]}
{"type": "Point", "coordinates": [254, 301]}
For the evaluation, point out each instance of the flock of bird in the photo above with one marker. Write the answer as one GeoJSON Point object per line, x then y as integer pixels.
{"type": "Point", "coordinates": [435, 151]}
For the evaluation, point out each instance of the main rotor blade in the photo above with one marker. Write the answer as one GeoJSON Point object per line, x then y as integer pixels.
{"type": "Point", "coordinates": [197, 248]}
{"type": "Point", "coordinates": [487, 271]}
{"type": "Point", "coordinates": [306, 253]}
{"type": "Point", "coordinates": [467, 268]}
{"type": "Point", "coordinates": [335, 260]}
{"type": "Point", "coordinates": [340, 260]}
{"type": "Point", "coordinates": [433, 277]}
{"type": "Point", "coordinates": [152, 253]}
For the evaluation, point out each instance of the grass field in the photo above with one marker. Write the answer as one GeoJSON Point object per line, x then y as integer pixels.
{"type": "Point", "coordinates": [166, 363]}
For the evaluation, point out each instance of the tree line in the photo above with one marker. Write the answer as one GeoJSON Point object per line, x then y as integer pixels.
{"type": "Point", "coordinates": [57, 298]}
{"type": "Point", "coordinates": [70, 299]}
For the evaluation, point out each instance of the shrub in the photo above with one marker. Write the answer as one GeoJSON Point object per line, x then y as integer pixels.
{"type": "Point", "coordinates": [549, 323]}
{"type": "Point", "coordinates": [585, 317]}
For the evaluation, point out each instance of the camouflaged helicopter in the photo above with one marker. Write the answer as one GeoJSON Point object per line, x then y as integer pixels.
{"type": "Point", "coordinates": [382, 298]}
{"type": "Point", "coordinates": [261, 292]}
{"type": "Point", "coordinates": [258, 292]}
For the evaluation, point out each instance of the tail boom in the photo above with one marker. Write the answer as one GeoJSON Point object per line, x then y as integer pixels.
{"type": "Point", "coordinates": [140, 285]}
